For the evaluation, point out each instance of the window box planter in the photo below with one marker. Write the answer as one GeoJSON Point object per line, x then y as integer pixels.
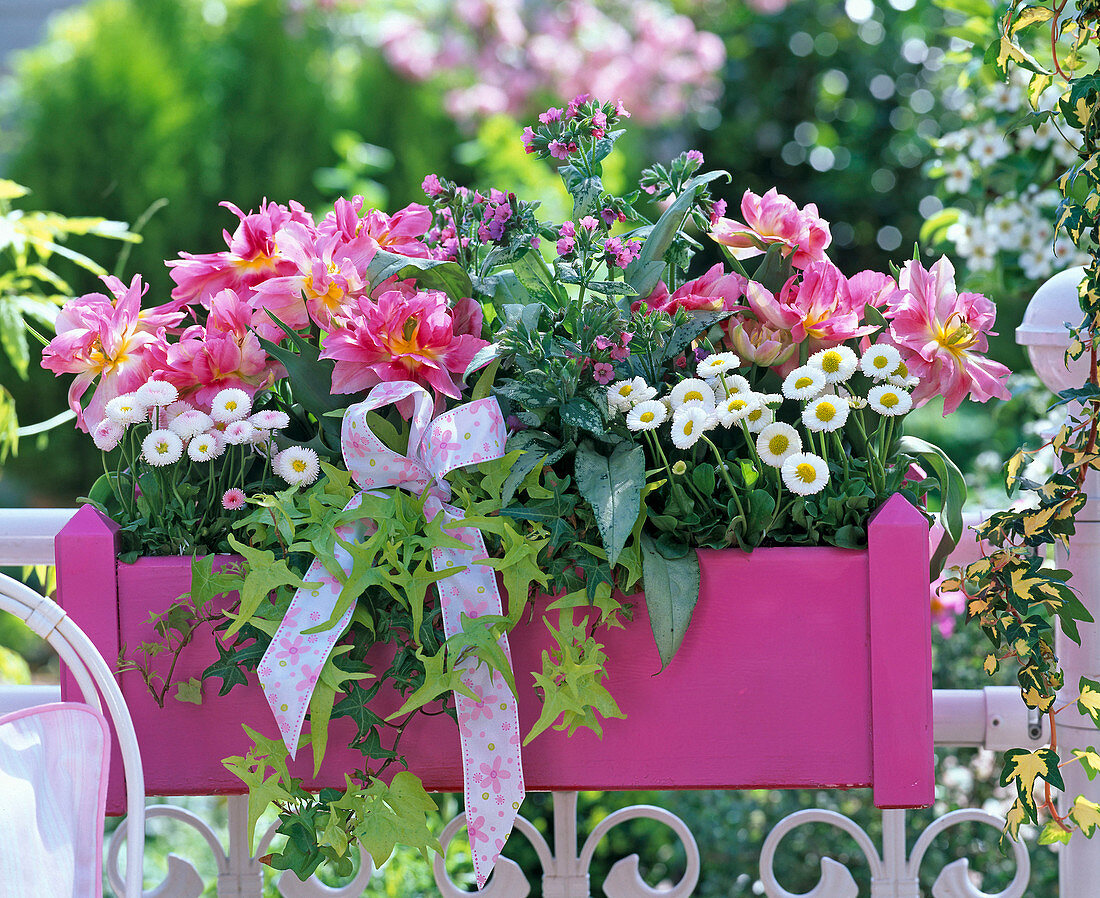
{"type": "Point", "coordinates": [803, 667]}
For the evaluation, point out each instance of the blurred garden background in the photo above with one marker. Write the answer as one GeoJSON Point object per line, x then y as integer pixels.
{"type": "Point", "coordinates": [152, 112]}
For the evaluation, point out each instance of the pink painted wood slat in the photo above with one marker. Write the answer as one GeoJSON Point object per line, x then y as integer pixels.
{"type": "Point", "coordinates": [776, 685]}
{"type": "Point", "coordinates": [901, 655]}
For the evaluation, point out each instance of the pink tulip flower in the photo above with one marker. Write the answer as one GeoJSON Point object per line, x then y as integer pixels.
{"type": "Point", "coordinates": [942, 335]}
{"type": "Point", "coordinates": [397, 337]}
{"type": "Point", "coordinates": [773, 219]}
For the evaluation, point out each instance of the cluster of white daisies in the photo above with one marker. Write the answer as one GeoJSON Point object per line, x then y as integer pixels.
{"type": "Point", "coordinates": [177, 427]}
{"type": "Point", "coordinates": [717, 398]}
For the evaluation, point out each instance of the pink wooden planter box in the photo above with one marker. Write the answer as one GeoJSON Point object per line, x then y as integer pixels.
{"type": "Point", "coordinates": [801, 668]}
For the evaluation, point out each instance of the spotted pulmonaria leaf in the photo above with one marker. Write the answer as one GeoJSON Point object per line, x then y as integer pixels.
{"type": "Point", "coordinates": [1023, 767]}
{"type": "Point", "coordinates": [1089, 700]}
{"type": "Point", "coordinates": [990, 665]}
{"type": "Point", "coordinates": [1090, 761]}
{"type": "Point", "coordinates": [1085, 814]}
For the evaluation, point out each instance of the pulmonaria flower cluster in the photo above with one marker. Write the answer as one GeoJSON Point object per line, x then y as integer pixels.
{"type": "Point", "coordinates": [561, 133]}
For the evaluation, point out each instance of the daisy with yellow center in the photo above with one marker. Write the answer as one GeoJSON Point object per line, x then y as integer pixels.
{"type": "Point", "coordinates": [689, 423]}
{"type": "Point", "coordinates": [126, 409]}
{"type": "Point", "coordinates": [880, 361]}
{"type": "Point", "coordinates": [297, 465]}
{"type": "Point", "coordinates": [693, 391]}
{"type": "Point", "coordinates": [889, 400]}
{"type": "Point", "coordinates": [759, 418]}
{"type": "Point", "coordinates": [804, 383]}
{"type": "Point", "coordinates": [826, 413]}
{"type": "Point", "coordinates": [648, 415]}
{"type": "Point", "coordinates": [736, 408]}
{"type": "Point", "coordinates": [776, 443]}
{"type": "Point", "coordinates": [162, 447]}
{"type": "Point", "coordinates": [625, 393]}
{"type": "Point", "coordinates": [804, 473]}
{"type": "Point", "coordinates": [837, 364]}
{"type": "Point", "coordinates": [719, 363]}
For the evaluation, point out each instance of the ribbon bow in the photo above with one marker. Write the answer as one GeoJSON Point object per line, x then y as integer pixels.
{"type": "Point", "coordinates": [489, 726]}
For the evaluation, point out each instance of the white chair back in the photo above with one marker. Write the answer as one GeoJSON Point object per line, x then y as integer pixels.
{"type": "Point", "coordinates": [95, 680]}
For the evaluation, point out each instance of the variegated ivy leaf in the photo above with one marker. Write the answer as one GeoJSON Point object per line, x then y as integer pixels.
{"type": "Point", "coordinates": [991, 664]}
{"type": "Point", "coordinates": [1054, 833]}
{"type": "Point", "coordinates": [1090, 761]}
{"type": "Point", "coordinates": [1023, 767]}
{"type": "Point", "coordinates": [1017, 815]}
{"type": "Point", "coordinates": [1086, 814]}
{"type": "Point", "coordinates": [1089, 700]}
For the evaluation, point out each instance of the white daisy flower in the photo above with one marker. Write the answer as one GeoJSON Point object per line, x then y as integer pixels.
{"type": "Point", "coordinates": [716, 364]}
{"type": "Point", "coordinates": [776, 442]}
{"type": "Point", "coordinates": [297, 465]}
{"type": "Point", "coordinates": [880, 361]}
{"type": "Point", "coordinates": [902, 378]}
{"type": "Point", "coordinates": [886, 399]}
{"type": "Point", "coordinates": [689, 423]}
{"type": "Point", "coordinates": [162, 447]}
{"type": "Point", "coordinates": [735, 408]}
{"type": "Point", "coordinates": [269, 419]}
{"type": "Point", "coordinates": [692, 391]}
{"type": "Point", "coordinates": [177, 408]}
{"type": "Point", "coordinates": [230, 405]}
{"type": "Point", "coordinates": [837, 364]}
{"type": "Point", "coordinates": [648, 415]}
{"type": "Point", "coordinates": [237, 433]}
{"type": "Point", "coordinates": [804, 473]}
{"type": "Point", "coordinates": [126, 409]}
{"type": "Point", "coordinates": [191, 423]}
{"type": "Point", "coordinates": [804, 383]}
{"type": "Point", "coordinates": [623, 394]}
{"type": "Point", "coordinates": [729, 385]}
{"type": "Point", "coordinates": [826, 413]}
{"type": "Point", "coordinates": [158, 393]}
{"type": "Point", "coordinates": [205, 446]}
{"type": "Point", "coordinates": [107, 434]}
{"type": "Point", "coordinates": [759, 418]}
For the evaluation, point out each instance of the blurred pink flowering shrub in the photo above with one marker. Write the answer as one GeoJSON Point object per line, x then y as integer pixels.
{"type": "Point", "coordinates": [502, 55]}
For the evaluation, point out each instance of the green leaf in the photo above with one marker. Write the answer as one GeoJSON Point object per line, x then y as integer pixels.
{"type": "Point", "coordinates": [265, 575]}
{"type": "Point", "coordinates": [612, 486]}
{"type": "Point", "coordinates": [671, 591]}
{"type": "Point", "coordinates": [191, 691]}
{"type": "Point", "coordinates": [432, 274]}
{"type": "Point", "coordinates": [310, 374]}
{"type": "Point", "coordinates": [643, 273]}
{"type": "Point", "coordinates": [532, 272]}
{"type": "Point", "coordinates": [583, 414]}
{"type": "Point", "coordinates": [389, 815]}
{"type": "Point", "coordinates": [612, 288]}
{"type": "Point", "coordinates": [1023, 767]}
{"type": "Point", "coordinates": [952, 495]}
{"type": "Point", "coordinates": [1054, 834]}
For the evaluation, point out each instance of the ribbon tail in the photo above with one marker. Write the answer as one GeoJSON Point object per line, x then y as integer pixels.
{"type": "Point", "coordinates": [489, 727]}
{"type": "Point", "coordinates": [292, 664]}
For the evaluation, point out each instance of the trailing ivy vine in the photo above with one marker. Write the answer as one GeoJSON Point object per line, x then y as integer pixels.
{"type": "Point", "coordinates": [1011, 594]}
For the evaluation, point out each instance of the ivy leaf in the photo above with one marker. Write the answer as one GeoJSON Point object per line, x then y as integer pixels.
{"type": "Point", "coordinates": [1022, 767]}
{"type": "Point", "coordinates": [265, 575]}
{"type": "Point", "coordinates": [671, 591]}
{"type": "Point", "coordinates": [1054, 834]}
{"type": "Point", "coordinates": [440, 677]}
{"type": "Point", "coordinates": [191, 691]}
{"type": "Point", "coordinates": [1090, 761]}
{"type": "Point", "coordinates": [356, 705]}
{"type": "Point", "coordinates": [252, 771]}
{"type": "Point", "coordinates": [388, 815]}
{"type": "Point", "coordinates": [1089, 700]}
{"type": "Point", "coordinates": [227, 669]}
{"type": "Point", "coordinates": [1086, 814]}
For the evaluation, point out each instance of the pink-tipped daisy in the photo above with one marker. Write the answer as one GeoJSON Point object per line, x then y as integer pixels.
{"type": "Point", "coordinates": [233, 499]}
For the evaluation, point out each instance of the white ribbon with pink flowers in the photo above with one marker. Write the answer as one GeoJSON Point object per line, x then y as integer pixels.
{"type": "Point", "coordinates": [489, 727]}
